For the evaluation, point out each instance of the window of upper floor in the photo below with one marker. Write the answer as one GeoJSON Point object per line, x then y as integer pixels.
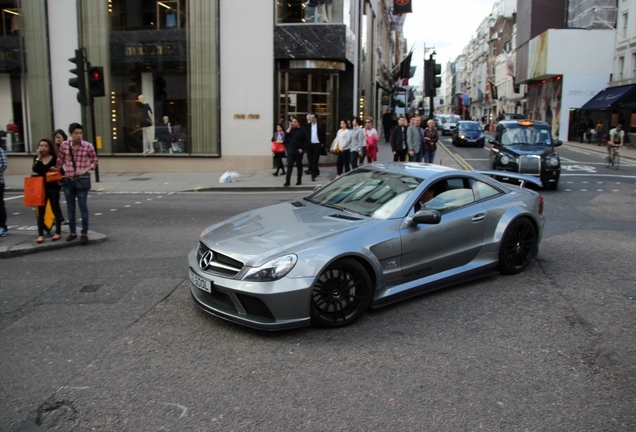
{"type": "Point", "coordinates": [315, 12]}
{"type": "Point", "coordinates": [147, 14]}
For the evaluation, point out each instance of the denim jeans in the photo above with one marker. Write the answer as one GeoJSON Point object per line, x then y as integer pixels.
{"type": "Point", "coordinates": [354, 159]}
{"type": "Point", "coordinates": [429, 156]}
{"type": "Point", "coordinates": [82, 197]}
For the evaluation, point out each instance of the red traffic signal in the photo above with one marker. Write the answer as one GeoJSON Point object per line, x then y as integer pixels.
{"type": "Point", "coordinates": [96, 85]}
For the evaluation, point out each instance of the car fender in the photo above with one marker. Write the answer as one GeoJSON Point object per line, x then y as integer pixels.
{"type": "Point", "coordinates": [511, 214]}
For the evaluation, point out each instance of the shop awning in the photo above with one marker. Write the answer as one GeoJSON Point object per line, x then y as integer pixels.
{"type": "Point", "coordinates": [611, 98]}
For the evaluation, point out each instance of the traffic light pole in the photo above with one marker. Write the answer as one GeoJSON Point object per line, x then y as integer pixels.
{"type": "Point", "coordinates": [431, 97]}
{"type": "Point", "coordinates": [94, 133]}
{"type": "Point", "coordinates": [93, 125]}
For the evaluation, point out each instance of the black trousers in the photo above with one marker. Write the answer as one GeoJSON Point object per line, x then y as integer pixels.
{"type": "Point", "coordinates": [53, 196]}
{"type": "Point", "coordinates": [294, 159]}
{"type": "Point", "coordinates": [3, 212]}
{"type": "Point", "coordinates": [314, 157]}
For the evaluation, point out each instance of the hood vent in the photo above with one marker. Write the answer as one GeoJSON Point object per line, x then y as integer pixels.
{"type": "Point", "coordinates": [345, 217]}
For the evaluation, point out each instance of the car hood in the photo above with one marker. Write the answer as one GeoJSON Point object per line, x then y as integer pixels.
{"type": "Point", "coordinates": [259, 235]}
{"type": "Point", "coordinates": [528, 149]}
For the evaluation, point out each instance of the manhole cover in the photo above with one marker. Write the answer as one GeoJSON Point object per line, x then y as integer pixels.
{"type": "Point", "coordinates": [627, 288]}
{"type": "Point", "coordinates": [90, 288]}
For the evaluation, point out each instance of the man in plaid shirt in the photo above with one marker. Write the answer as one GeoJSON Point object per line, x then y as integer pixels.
{"type": "Point", "coordinates": [3, 212]}
{"type": "Point", "coordinates": [82, 161]}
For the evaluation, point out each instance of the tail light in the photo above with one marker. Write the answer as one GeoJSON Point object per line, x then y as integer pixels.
{"type": "Point", "coordinates": [540, 205]}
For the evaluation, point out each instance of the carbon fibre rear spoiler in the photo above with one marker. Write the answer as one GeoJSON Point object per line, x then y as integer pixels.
{"type": "Point", "coordinates": [523, 178]}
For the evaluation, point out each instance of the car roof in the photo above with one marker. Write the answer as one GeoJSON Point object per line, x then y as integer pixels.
{"type": "Point", "coordinates": [468, 121]}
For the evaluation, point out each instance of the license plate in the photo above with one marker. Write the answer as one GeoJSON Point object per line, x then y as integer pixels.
{"type": "Point", "coordinates": [200, 283]}
{"type": "Point", "coordinates": [471, 139]}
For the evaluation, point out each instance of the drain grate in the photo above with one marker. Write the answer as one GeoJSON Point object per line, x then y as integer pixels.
{"type": "Point", "coordinates": [90, 288]}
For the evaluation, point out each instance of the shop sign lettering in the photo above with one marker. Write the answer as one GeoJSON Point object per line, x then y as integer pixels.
{"type": "Point", "coordinates": [582, 93]}
{"type": "Point", "coordinates": [152, 50]}
{"type": "Point", "coordinates": [247, 116]}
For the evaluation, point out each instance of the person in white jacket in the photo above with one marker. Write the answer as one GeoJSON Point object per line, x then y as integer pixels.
{"type": "Point", "coordinates": [341, 146]}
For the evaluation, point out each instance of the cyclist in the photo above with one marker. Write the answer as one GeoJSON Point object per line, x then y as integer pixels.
{"type": "Point", "coordinates": [617, 137]}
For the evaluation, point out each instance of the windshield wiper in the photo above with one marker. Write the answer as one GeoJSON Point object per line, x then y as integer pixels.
{"type": "Point", "coordinates": [341, 208]}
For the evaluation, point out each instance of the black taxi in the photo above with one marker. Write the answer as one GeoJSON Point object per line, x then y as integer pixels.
{"type": "Point", "coordinates": [526, 146]}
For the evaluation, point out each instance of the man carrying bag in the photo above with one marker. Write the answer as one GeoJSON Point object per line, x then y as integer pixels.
{"type": "Point", "coordinates": [78, 158]}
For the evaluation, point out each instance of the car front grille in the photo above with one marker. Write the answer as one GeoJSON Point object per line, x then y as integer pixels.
{"type": "Point", "coordinates": [217, 264]}
{"type": "Point", "coordinates": [530, 164]}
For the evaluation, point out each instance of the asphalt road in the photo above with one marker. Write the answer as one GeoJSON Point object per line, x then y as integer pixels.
{"type": "Point", "coordinates": [106, 337]}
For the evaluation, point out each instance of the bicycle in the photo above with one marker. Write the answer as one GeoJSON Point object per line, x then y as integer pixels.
{"type": "Point", "coordinates": [613, 157]}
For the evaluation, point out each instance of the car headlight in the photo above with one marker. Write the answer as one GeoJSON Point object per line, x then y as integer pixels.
{"type": "Point", "coordinates": [504, 160]}
{"type": "Point", "coordinates": [273, 270]}
{"type": "Point", "coordinates": [553, 161]}
{"type": "Point", "coordinates": [462, 137]}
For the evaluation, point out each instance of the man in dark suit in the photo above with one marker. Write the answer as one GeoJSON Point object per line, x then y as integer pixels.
{"type": "Point", "coordinates": [398, 141]}
{"type": "Point", "coordinates": [297, 142]}
{"type": "Point", "coordinates": [317, 136]}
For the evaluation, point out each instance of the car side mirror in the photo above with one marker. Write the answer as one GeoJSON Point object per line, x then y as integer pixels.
{"type": "Point", "coordinates": [558, 143]}
{"type": "Point", "coordinates": [428, 217]}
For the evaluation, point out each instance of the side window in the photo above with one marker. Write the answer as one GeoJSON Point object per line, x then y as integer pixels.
{"type": "Point", "coordinates": [455, 193]}
{"type": "Point", "coordinates": [484, 190]}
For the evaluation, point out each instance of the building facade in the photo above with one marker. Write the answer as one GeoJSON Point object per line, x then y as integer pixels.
{"type": "Point", "coordinates": [213, 79]}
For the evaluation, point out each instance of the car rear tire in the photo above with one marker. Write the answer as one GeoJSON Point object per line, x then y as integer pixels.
{"type": "Point", "coordinates": [341, 294]}
{"type": "Point", "coordinates": [518, 246]}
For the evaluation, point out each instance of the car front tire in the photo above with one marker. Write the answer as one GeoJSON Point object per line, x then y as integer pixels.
{"type": "Point", "coordinates": [518, 246]}
{"type": "Point", "coordinates": [341, 294]}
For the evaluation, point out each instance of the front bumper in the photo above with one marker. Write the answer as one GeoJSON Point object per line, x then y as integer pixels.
{"type": "Point", "coordinates": [277, 305]}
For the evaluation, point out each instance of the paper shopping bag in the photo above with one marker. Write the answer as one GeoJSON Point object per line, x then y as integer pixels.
{"type": "Point", "coordinates": [34, 191]}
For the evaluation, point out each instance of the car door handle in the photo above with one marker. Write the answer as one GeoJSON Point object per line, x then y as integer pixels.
{"type": "Point", "coordinates": [479, 217]}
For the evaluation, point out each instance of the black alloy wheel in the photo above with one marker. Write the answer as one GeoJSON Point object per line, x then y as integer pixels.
{"type": "Point", "coordinates": [341, 294]}
{"type": "Point", "coordinates": [518, 246]}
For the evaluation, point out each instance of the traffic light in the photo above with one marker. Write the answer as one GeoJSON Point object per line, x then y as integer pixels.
{"type": "Point", "coordinates": [432, 79]}
{"type": "Point", "coordinates": [96, 81]}
{"type": "Point", "coordinates": [80, 81]}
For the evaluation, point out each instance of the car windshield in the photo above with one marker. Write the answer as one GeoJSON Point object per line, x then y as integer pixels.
{"type": "Point", "coordinates": [452, 118]}
{"type": "Point", "coordinates": [469, 127]}
{"type": "Point", "coordinates": [533, 135]}
{"type": "Point", "coordinates": [369, 193]}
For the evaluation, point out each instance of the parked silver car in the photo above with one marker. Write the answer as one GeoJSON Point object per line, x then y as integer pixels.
{"type": "Point", "coordinates": [377, 235]}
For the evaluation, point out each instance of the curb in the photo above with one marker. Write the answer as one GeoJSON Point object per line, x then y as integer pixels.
{"type": "Point", "coordinates": [24, 243]}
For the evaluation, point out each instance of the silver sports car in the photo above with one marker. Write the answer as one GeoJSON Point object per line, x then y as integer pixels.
{"type": "Point", "coordinates": [377, 235]}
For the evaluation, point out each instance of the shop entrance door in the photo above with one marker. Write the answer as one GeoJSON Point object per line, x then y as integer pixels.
{"type": "Point", "coordinates": [304, 92]}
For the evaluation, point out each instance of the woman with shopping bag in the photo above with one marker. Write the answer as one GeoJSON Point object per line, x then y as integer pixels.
{"type": "Point", "coordinates": [44, 160]}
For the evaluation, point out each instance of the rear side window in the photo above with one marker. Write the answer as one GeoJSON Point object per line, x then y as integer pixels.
{"type": "Point", "coordinates": [485, 190]}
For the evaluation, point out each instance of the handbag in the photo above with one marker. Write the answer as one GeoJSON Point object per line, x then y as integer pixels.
{"type": "Point", "coordinates": [335, 146]}
{"type": "Point", "coordinates": [53, 176]}
{"type": "Point", "coordinates": [278, 147]}
{"type": "Point", "coordinates": [82, 182]}
{"type": "Point", "coordinates": [34, 195]}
